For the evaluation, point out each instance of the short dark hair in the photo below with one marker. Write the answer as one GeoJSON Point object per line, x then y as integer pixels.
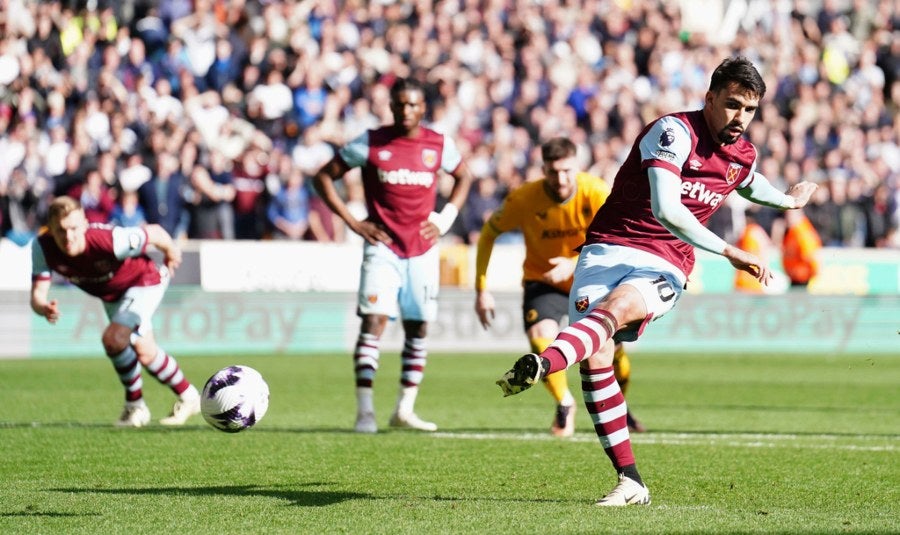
{"type": "Point", "coordinates": [739, 70]}
{"type": "Point", "coordinates": [405, 84]}
{"type": "Point", "coordinates": [558, 148]}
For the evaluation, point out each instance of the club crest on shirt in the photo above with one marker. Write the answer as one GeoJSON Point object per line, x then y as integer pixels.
{"type": "Point", "coordinates": [384, 155]}
{"type": "Point", "coordinates": [581, 304]}
{"type": "Point", "coordinates": [733, 172]}
{"type": "Point", "coordinates": [429, 157]}
{"type": "Point", "coordinates": [372, 298]}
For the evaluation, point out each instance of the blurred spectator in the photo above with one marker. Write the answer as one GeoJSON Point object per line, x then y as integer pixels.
{"type": "Point", "coordinates": [204, 198]}
{"type": "Point", "coordinates": [288, 210]}
{"type": "Point", "coordinates": [95, 197]}
{"type": "Point", "coordinates": [127, 211]}
{"type": "Point", "coordinates": [223, 193]}
{"type": "Point", "coordinates": [483, 199]}
{"type": "Point", "coordinates": [250, 198]}
{"type": "Point", "coordinates": [73, 174]}
{"type": "Point", "coordinates": [81, 83]}
{"type": "Point", "coordinates": [19, 203]}
{"type": "Point", "coordinates": [226, 67]}
{"type": "Point", "coordinates": [312, 152]}
{"type": "Point", "coordinates": [309, 98]}
{"type": "Point", "coordinates": [800, 248]}
{"type": "Point", "coordinates": [162, 196]}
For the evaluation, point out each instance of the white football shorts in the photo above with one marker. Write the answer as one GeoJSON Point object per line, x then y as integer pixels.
{"type": "Point", "coordinates": [138, 304]}
{"type": "Point", "coordinates": [602, 267]}
{"type": "Point", "coordinates": [392, 286]}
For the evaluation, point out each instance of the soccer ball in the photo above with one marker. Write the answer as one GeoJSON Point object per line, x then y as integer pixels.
{"type": "Point", "coordinates": [234, 399]}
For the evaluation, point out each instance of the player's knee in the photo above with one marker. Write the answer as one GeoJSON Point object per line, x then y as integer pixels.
{"type": "Point", "coordinates": [374, 324]}
{"type": "Point", "coordinates": [415, 329]}
{"type": "Point", "coordinates": [116, 338]}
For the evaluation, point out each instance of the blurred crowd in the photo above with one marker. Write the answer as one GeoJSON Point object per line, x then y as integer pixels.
{"type": "Point", "coordinates": [209, 117]}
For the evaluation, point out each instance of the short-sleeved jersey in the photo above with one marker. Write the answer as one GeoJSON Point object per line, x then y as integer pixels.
{"type": "Point", "coordinates": [680, 143]}
{"type": "Point", "coordinates": [113, 261]}
{"type": "Point", "coordinates": [400, 177]}
{"type": "Point", "coordinates": [550, 229]}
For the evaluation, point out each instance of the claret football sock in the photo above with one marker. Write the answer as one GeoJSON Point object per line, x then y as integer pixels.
{"type": "Point", "coordinates": [412, 362]}
{"type": "Point", "coordinates": [365, 359]}
{"type": "Point", "coordinates": [166, 370]}
{"type": "Point", "coordinates": [129, 370]}
{"type": "Point", "coordinates": [580, 340]}
{"type": "Point", "coordinates": [606, 406]}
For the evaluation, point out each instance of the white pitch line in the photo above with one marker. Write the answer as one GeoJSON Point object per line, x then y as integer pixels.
{"type": "Point", "coordinates": [737, 440]}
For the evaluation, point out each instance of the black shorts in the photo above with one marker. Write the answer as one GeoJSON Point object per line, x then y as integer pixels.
{"type": "Point", "coordinates": [542, 301]}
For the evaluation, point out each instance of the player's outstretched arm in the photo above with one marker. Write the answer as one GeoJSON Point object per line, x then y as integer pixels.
{"type": "Point", "coordinates": [40, 289]}
{"type": "Point", "coordinates": [159, 238]}
{"type": "Point", "coordinates": [801, 192]}
{"type": "Point", "coordinates": [761, 191]}
{"type": "Point", "coordinates": [665, 191]}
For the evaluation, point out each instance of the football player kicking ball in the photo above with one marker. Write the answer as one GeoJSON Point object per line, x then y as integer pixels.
{"type": "Point", "coordinates": [639, 249]}
{"type": "Point", "coordinates": [110, 263]}
{"type": "Point", "coordinates": [553, 214]}
{"type": "Point", "coordinates": [400, 270]}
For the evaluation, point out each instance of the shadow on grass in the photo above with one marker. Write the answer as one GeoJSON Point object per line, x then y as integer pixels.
{"type": "Point", "coordinates": [303, 498]}
{"type": "Point", "coordinates": [46, 514]}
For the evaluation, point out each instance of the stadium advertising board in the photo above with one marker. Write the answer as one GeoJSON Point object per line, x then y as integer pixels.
{"type": "Point", "coordinates": [194, 322]}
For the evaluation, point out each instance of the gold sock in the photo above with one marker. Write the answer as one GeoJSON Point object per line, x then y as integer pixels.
{"type": "Point", "coordinates": [622, 367]}
{"type": "Point", "coordinates": [557, 383]}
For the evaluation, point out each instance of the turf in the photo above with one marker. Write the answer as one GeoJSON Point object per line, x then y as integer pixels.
{"type": "Point", "coordinates": [737, 444]}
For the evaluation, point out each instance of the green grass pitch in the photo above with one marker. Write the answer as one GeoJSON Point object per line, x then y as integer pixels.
{"type": "Point", "coordinates": [737, 444]}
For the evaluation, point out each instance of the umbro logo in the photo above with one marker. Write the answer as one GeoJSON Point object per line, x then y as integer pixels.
{"type": "Point", "coordinates": [384, 155]}
{"type": "Point", "coordinates": [694, 165]}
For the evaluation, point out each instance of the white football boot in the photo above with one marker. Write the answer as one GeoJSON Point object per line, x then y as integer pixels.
{"type": "Point", "coordinates": [187, 405]}
{"type": "Point", "coordinates": [134, 415]}
{"type": "Point", "coordinates": [626, 492]}
{"type": "Point", "coordinates": [411, 421]}
{"type": "Point", "coordinates": [365, 423]}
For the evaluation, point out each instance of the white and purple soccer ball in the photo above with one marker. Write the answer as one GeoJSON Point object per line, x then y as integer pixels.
{"type": "Point", "coordinates": [234, 399]}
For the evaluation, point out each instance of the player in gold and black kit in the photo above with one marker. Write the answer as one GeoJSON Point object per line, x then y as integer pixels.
{"type": "Point", "coordinates": [553, 214]}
